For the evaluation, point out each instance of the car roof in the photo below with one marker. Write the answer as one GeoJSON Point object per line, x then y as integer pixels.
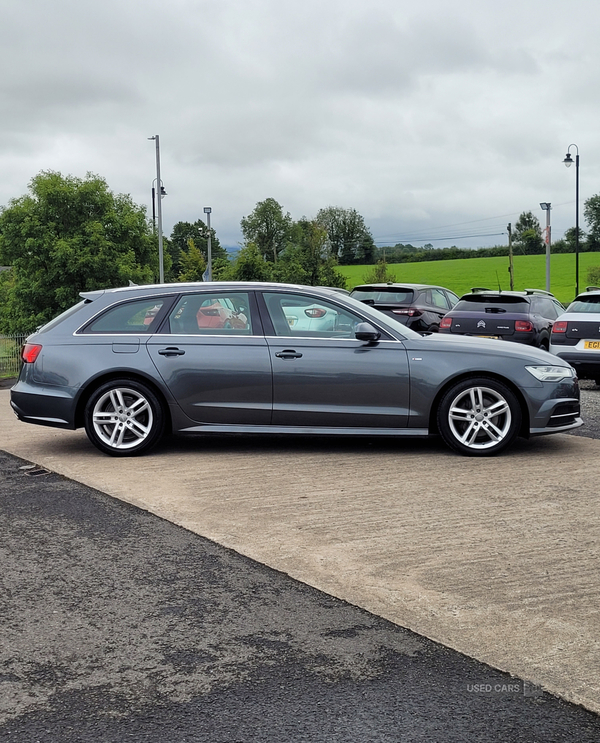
{"type": "Point", "coordinates": [498, 294]}
{"type": "Point", "coordinates": [146, 289]}
{"type": "Point", "coordinates": [592, 291]}
{"type": "Point", "coordinates": [398, 286]}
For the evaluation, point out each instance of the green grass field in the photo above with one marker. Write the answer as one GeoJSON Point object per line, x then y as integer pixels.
{"type": "Point", "coordinates": [461, 275]}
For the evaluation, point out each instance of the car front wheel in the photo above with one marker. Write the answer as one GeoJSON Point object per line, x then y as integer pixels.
{"type": "Point", "coordinates": [124, 418]}
{"type": "Point", "coordinates": [479, 417]}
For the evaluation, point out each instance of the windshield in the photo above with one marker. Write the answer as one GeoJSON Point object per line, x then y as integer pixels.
{"type": "Point", "coordinates": [479, 302]}
{"type": "Point", "coordinates": [585, 304]}
{"type": "Point", "coordinates": [383, 295]}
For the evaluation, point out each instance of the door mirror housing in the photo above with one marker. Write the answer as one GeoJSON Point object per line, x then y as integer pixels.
{"type": "Point", "coordinates": [364, 331]}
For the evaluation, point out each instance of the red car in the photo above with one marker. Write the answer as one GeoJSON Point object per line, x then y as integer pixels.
{"type": "Point", "coordinates": [220, 313]}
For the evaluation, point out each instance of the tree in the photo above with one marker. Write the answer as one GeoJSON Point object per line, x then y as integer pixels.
{"type": "Point", "coordinates": [379, 274]}
{"type": "Point", "coordinates": [593, 275]}
{"type": "Point", "coordinates": [306, 259]}
{"type": "Point", "coordinates": [527, 234]}
{"type": "Point", "coordinates": [198, 232]}
{"type": "Point", "coordinates": [250, 266]}
{"type": "Point", "coordinates": [69, 235]}
{"type": "Point", "coordinates": [591, 212]}
{"type": "Point", "coordinates": [191, 263]}
{"type": "Point", "coordinates": [268, 228]}
{"type": "Point", "coordinates": [349, 238]}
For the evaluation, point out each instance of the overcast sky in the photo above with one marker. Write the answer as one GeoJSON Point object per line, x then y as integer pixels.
{"type": "Point", "coordinates": [438, 121]}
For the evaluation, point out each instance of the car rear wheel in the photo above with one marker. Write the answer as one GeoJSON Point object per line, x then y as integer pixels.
{"type": "Point", "coordinates": [124, 418]}
{"type": "Point", "coordinates": [479, 417]}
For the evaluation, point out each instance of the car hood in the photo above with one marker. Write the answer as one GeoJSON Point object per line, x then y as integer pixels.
{"type": "Point", "coordinates": [504, 349]}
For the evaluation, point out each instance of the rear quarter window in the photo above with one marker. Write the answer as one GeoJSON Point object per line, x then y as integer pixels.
{"type": "Point", "coordinates": [128, 317]}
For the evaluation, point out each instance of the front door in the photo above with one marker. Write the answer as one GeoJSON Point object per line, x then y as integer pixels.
{"type": "Point", "coordinates": [323, 376]}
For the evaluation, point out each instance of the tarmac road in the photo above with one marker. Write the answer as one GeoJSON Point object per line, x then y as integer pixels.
{"type": "Point", "coordinates": [118, 625]}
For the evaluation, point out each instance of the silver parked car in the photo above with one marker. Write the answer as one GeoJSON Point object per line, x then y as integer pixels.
{"type": "Point", "coordinates": [128, 364]}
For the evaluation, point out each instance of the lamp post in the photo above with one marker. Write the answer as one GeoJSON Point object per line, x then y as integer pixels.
{"type": "Point", "coordinates": [161, 268]}
{"type": "Point", "coordinates": [547, 206]}
{"type": "Point", "coordinates": [207, 211]}
{"type": "Point", "coordinates": [568, 161]}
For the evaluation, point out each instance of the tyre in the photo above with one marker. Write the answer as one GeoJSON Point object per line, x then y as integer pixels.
{"type": "Point", "coordinates": [124, 418]}
{"type": "Point", "coordinates": [479, 417]}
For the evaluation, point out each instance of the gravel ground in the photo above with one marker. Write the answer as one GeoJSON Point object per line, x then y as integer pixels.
{"type": "Point", "coordinates": [590, 410]}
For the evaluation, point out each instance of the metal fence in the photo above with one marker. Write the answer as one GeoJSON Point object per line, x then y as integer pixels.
{"type": "Point", "coordinates": [10, 354]}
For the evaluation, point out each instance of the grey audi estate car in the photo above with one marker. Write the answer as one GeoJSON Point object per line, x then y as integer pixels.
{"type": "Point", "coordinates": [129, 364]}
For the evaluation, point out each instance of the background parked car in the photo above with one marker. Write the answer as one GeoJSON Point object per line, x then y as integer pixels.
{"type": "Point", "coordinates": [523, 317]}
{"type": "Point", "coordinates": [418, 306]}
{"type": "Point", "coordinates": [576, 334]}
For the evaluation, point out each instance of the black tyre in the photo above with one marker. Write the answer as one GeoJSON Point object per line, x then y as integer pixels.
{"type": "Point", "coordinates": [479, 417]}
{"type": "Point", "coordinates": [124, 418]}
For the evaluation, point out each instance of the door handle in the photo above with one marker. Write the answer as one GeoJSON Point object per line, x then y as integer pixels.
{"type": "Point", "coordinates": [288, 355]}
{"type": "Point", "coordinates": [171, 352]}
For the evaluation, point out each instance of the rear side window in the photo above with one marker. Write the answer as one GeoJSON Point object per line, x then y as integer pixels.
{"type": "Point", "coordinates": [128, 317]}
{"type": "Point", "coordinates": [222, 313]}
{"type": "Point", "coordinates": [546, 308]}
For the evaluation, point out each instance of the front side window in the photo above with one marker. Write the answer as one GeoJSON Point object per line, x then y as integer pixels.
{"type": "Point", "coordinates": [137, 316]}
{"type": "Point", "coordinates": [295, 315]}
{"type": "Point", "coordinates": [207, 313]}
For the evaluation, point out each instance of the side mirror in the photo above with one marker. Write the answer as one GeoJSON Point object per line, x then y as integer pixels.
{"type": "Point", "coordinates": [364, 331]}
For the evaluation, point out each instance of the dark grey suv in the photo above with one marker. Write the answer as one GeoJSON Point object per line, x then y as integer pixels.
{"type": "Point", "coordinates": [129, 364]}
{"type": "Point", "coordinates": [522, 317]}
{"type": "Point", "coordinates": [418, 306]}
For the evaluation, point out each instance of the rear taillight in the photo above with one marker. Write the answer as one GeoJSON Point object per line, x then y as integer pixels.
{"type": "Point", "coordinates": [560, 326]}
{"type": "Point", "coordinates": [523, 326]}
{"type": "Point", "coordinates": [30, 352]}
{"type": "Point", "coordinates": [410, 311]}
{"type": "Point", "coordinates": [446, 322]}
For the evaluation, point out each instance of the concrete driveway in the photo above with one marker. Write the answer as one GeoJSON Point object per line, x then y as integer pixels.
{"type": "Point", "coordinates": [496, 558]}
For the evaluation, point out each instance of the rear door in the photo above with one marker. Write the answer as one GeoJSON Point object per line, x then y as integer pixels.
{"type": "Point", "coordinates": [213, 357]}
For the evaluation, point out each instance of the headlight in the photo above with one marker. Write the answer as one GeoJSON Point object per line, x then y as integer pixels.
{"type": "Point", "coordinates": [551, 373]}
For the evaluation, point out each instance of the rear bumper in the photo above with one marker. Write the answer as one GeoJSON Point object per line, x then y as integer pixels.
{"type": "Point", "coordinates": [53, 407]}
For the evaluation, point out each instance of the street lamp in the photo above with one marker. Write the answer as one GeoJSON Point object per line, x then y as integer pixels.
{"type": "Point", "coordinates": [207, 211]}
{"type": "Point", "coordinates": [161, 268]}
{"type": "Point", "coordinates": [547, 206]}
{"type": "Point", "coordinates": [568, 161]}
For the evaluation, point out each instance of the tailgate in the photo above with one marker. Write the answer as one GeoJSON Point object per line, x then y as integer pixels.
{"type": "Point", "coordinates": [496, 325]}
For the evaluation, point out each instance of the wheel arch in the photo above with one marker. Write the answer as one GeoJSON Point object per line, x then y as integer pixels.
{"type": "Point", "coordinates": [96, 382]}
{"type": "Point", "coordinates": [433, 426]}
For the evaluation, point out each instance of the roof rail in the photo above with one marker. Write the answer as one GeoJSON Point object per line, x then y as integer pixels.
{"type": "Point", "coordinates": [476, 289]}
{"type": "Point", "coordinates": [539, 291]}
{"type": "Point", "coordinates": [592, 288]}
